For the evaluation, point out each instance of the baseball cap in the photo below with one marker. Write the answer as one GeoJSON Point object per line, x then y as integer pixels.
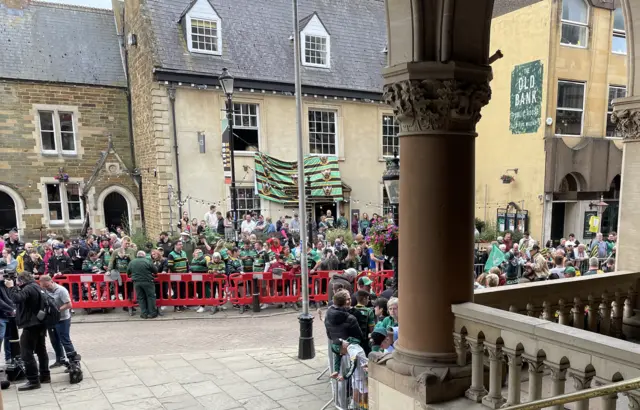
{"type": "Point", "coordinates": [570, 269]}
{"type": "Point", "coordinates": [59, 246]}
{"type": "Point", "coordinates": [364, 281]}
{"type": "Point", "coordinates": [185, 233]}
{"type": "Point", "coordinates": [380, 329]}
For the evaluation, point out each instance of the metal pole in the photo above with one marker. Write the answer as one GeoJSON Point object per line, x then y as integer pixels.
{"type": "Point", "coordinates": [169, 195]}
{"type": "Point", "coordinates": [234, 199]}
{"type": "Point", "coordinates": [306, 349]}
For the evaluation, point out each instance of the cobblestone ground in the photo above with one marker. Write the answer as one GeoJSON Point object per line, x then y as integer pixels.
{"type": "Point", "coordinates": [226, 364]}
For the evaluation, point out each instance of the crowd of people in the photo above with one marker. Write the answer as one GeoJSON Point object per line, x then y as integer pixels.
{"type": "Point", "coordinates": [511, 263]}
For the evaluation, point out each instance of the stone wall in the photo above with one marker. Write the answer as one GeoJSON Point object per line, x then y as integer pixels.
{"type": "Point", "coordinates": [151, 125]}
{"type": "Point", "coordinates": [98, 112]}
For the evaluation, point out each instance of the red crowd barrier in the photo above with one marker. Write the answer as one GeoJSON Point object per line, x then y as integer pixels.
{"type": "Point", "coordinates": [99, 291]}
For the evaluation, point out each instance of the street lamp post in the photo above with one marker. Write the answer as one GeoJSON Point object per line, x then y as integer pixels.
{"type": "Point", "coordinates": [226, 81]}
{"type": "Point", "coordinates": [391, 181]}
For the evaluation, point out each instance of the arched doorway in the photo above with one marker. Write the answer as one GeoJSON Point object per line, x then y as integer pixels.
{"type": "Point", "coordinates": [116, 211]}
{"type": "Point", "coordinates": [8, 220]}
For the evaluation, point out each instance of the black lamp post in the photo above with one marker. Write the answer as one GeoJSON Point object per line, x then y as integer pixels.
{"type": "Point", "coordinates": [391, 181]}
{"type": "Point", "coordinates": [226, 81]}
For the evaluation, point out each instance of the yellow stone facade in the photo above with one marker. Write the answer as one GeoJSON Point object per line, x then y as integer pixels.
{"type": "Point", "coordinates": [525, 35]}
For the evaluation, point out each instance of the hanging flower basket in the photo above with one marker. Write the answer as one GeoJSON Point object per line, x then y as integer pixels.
{"type": "Point", "coordinates": [62, 177]}
{"type": "Point", "coordinates": [507, 179]}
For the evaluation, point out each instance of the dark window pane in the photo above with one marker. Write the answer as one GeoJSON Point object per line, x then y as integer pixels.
{"type": "Point", "coordinates": [618, 19]}
{"type": "Point", "coordinates": [75, 212]}
{"type": "Point", "coordinates": [68, 142]}
{"type": "Point", "coordinates": [66, 122]}
{"type": "Point", "coordinates": [574, 35]}
{"type": "Point", "coordinates": [48, 140]}
{"type": "Point", "coordinates": [73, 192]}
{"type": "Point", "coordinates": [55, 211]}
{"type": "Point", "coordinates": [53, 192]}
{"type": "Point", "coordinates": [46, 120]}
{"type": "Point", "coordinates": [574, 10]}
{"type": "Point", "coordinates": [570, 95]}
{"type": "Point", "coordinates": [568, 122]}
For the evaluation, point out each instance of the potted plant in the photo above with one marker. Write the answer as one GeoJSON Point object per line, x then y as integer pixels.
{"type": "Point", "coordinates": [507, 179]}
{"type": "Point", "coordinates": [381, 234]}
{"type": "Point", "coordinates": [62, 177]}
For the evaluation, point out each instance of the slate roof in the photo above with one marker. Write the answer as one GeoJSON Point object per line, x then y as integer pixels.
{"type": "Point", "coordinates": [59, 43]}
{"type": "Point", "coordinates": [501, 7]}
{"type": "Point", "coordinates": [256, 45]}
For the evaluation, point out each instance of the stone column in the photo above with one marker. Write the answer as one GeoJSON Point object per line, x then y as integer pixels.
{"type": "Point", "coordinates": [477, 391]}
{"type": "Point", "coordinates": [536, 365]}
{"type": "Point", "coordinates": [514, 359]}
{"type": "Point", "coordinates": [634, 400]}
{"type": "Point", "coordinates": [460, 344]}
{"type": "Point", "coordinates": [626, 115]}
{"type": "Point", "coordinates": [582, 381]}
{"type": "Point", "coordinates": [578, 313]}
{"type": "Point", "coordinates": [607, 402]}
{"type": "Point", "coordinates": [605, 315]}
{"type": "Point", "coordinates": [437, 106]}
{"type": "Point", "coordinates": [494, 399]}
{"type": "Point", "coordinates": [558, 381]}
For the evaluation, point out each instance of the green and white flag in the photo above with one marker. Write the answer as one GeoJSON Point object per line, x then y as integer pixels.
{"type": "Point", "coordinates": [496, 257]}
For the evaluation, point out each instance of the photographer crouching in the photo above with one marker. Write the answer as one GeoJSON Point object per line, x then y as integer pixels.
{"type": "Point", "coordinates": [27, 298]}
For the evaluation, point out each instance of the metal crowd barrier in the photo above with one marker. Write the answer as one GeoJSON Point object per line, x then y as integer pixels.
{"type": "Point", "coordinates": [350, 393]}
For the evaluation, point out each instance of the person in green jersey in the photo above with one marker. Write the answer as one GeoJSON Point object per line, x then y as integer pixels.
{"type": "Point", "coordinates": [199, 262]}
{"type": "Point", "coordinates": [342, 222]}
{"type": "Point", "coordinates": [178, 263]}
{"type": "Point", "coordinates": [380, 339]}
{"type": "Point", "coordinates": [259, 259]}
{"type": "Point", "coordinates": [235, 264]}
{"type": "Point", "coordinates": [364, 223]}
{"type": "Point", "coordinates": [217, 265]}
{"type": "Point", "coordinates": [247, 256]}
{"type": "Point", "coordinates": [392, 319]}
{"type": "Point", "coordinates": [365, 317]}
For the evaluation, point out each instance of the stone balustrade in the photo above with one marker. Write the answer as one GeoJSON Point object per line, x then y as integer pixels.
{"type": "Point", "coordinates": [483, 332]}
{"type": "Point", "coordinates": [599, 303]}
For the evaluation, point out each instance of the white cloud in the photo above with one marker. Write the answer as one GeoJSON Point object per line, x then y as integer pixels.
{"type": "Point", "coordinates": [103, 4]}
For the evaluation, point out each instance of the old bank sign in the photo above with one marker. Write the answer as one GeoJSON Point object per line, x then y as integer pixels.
{"type": "Point", "coordinates": [526, 98]}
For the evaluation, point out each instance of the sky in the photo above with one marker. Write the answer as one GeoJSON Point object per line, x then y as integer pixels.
{"type": "Point", "coordinates": [103, 4]}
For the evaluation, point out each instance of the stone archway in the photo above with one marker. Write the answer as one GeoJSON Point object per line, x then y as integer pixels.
{"type": "Point", "coordinates": [11, 210]}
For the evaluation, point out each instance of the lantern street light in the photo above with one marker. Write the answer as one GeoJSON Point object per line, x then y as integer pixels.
{"type": "Point", "coordinates": [226, 81]}
{"type": "Point", "coordinates": [391, 181]}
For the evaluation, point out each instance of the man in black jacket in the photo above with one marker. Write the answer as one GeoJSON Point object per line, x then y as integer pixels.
{"type": "Point", "coordinates": [60, 264]}
{"type": "Point", "coordinates": [27, 297]}
{"type": "Point", "coordinates": [14, 243]}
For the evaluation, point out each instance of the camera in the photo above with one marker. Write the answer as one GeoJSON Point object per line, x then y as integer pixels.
{"type": "Point", "coordinates": [9, 274]}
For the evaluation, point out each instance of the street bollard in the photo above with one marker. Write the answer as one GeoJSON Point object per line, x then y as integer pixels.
{"type": "Point", "coordinates": [256, 296]}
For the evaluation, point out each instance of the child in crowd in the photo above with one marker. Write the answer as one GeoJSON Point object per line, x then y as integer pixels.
{"type": "Point", "coordinates": [365, 318]}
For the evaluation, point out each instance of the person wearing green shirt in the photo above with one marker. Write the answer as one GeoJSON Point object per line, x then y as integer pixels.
{"type": "Point", "coordinates": [247, 256]}
{"type": "Point", "coordinates": [177, 262]}
{"type": "Point", "coordinates": [199, 262]}
{"type": "Point", "coordinates": [216, 265]}
{"type": "Point", "coordinates": [141, 271]}
{"type": "Point", "coordinates": [379, 338]}
{"type": "Point", "coordinates": [365, 317]}
{"type": "Point", "coordinates": [235, 264]}
{"type": "Point", "coordinates": [259, 260]}
{"type": "Point", "coordinates": [188, 244]}
{"type": "Point", "coordinates": [392, 319]}
{"type": "Point", "coordinates": [329, 220]}
{"type": "Point", "coordinates": [364, 223]}
{"type": "Point", "coordinates": [93, 264]}
{"type": "Point", "coordinates": [314, 256]}
{"type": "Point", "coordinates": [342, 221]}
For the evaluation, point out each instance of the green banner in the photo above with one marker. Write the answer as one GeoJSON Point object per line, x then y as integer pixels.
{"type": "Point", "coordinates": [496, 257]}
{"type": "Point", "coordinates": [277, 180]}
{"type": "Point", "coordinates": [526, 98]}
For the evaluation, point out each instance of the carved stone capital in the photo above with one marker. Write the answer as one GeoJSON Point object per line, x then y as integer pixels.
{"type": "Point", "coordinates": [495, 351]}
{"type": "Point", "coordinates": [581, 381]}
{"type": "Point", "coordinates": [627, 123]}
{"type": "Point", "coordinates": [535, 364]}
{"type": "Point", "coordinates": [437, 105]}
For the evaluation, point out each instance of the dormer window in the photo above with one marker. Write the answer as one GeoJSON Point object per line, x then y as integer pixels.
{"type": "Point", "coordinates": [204, 35]}
{"type": "Point", "coordinates": [315, 42]}
{"type": "Point", "coordinates": [202, 28]}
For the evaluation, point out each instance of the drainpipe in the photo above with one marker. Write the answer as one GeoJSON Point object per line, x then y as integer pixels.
{"type": "Point", "coordinates": [172, 101]}
{"type": "Point", "coordinates": [136, 172]}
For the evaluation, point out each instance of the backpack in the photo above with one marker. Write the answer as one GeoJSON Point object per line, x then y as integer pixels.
{"type": "Point", "coordinates": [49, 314]}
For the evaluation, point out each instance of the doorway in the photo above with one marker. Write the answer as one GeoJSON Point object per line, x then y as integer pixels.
{"type": "Point", "coordinates": [116, 211]}
{"type": "Point", "coordinates": [557, 221]}
{"type": "Point", "coordinates": [7, 213]}
{"type": "Point", "coordinates": [321, 208]}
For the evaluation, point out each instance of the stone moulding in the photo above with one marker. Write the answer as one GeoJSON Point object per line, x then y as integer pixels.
{"type": "Point", "coordinates": [428, 105]}
{"type": "Point", "coordinates": [627, 123]}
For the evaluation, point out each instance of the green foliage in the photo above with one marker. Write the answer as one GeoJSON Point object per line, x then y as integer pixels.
{"type": "Point", "coordinates": [490, 232]}
{"type": "Point", "coordinates": [480, 224]}
{"type": "Point", "coordinates": [332, 234]}
{"type": "Point", "coordinates": [212, 236]}
{"type": "Point", "coordinates": [140, 238]}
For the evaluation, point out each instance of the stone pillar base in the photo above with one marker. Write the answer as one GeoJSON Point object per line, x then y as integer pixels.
{"type": "Point", "coordinates": [395, 385]}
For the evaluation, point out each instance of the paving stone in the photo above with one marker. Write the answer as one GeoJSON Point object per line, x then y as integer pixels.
{"type": "Point", "coordinates": [301, 403]}
{"type": "Point", "coordinates": [110, 374]}
{"type": "Point", "coordinates": [168, 390]}
{"type": "Point", "coordinates": [273, 383]}
{"type": "Point", "coordinates": [320, 390]}
{"type": "Point", "coordinates": [224, 377]}
{"type": "Point", "coordinates": [208, 366]}
{"type": "Point", "coordinates": [219, 401]}
{"type": "Point", "coordinates": [166, 357]}
{"type": "Point", "coordinates": [128, 394]}
{"type": "Point", "coordinates": [117, 382]}
{"type": "Point", "coordinates": [318, 362]}
{"type": "Point", "coordinates": [310, 380]}
{"type": "Point", "coordinates": [95, 404]}
{"type": "Point", "coordinates": [220, 354]}
{"type": "Point", "coordinates": [279, 362]}
{"type": "Point", "coordinates": [258, 374]}
{"type": "Point", "coordinates": [99, 365]}
{"type": "Point", "coordinates": [287, 392]}
{"type": "Point", "coordinates": [153, 377]}
{"type": "Point", "coordinates": [261, 402]}
{"type": "Point", "coordinates": [66, 386]}
{"type": "Point", "coordinates": [42, 407]}
{"type": "Point", "coordinates": [185, 401]}
{"type": "Point", "coordinates": [174, 363]}
{"type": "Point", "coordinates": [64, 377]}
{"type": "Point", "coordinates": [202, 388]}
{"type": "Point", "coordinates": [141, 363]}
{"type": "Point", "coordinates": [79, 395]}
{"type": "Point", "coordinates": [295, 371]}
{"type": "Point", "coordinates": [241, 390]}
{"type": "Point", "coordinates": [37, 398]}
{"type": "Point", "coordinates": [188, 375]}
{"type": "Point", "coordinates": [195, 356]}
{"type": "Point", "coordinates": [141, 404]}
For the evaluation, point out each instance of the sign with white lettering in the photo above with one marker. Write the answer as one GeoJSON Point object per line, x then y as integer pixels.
{"type": "Point", "coordinates": [526, 98]}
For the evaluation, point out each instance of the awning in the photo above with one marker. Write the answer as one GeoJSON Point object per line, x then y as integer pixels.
{"type": "Point", "coordinates": [278, 180]}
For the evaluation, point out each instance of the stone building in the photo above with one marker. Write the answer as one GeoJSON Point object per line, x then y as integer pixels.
{"type": "Point", "coordinates": [563, 63]}
{"type": "Point", "coordinates": [180, 49]}
{"type": "Point", "coordinates": [63, 113]}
